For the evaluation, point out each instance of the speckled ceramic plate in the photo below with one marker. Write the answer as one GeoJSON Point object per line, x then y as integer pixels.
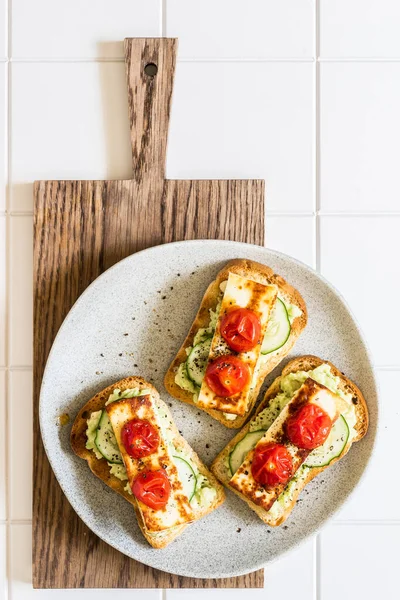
{"type": "Point", "coordinates": [132, 320]}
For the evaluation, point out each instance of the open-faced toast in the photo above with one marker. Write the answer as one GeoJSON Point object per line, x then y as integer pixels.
{"type": "Point", "coordinates": [294, 308]}
{"type": "Point", "coordinates": [358, 425]}
{"type": "Point", "coordinates": [101, 467]}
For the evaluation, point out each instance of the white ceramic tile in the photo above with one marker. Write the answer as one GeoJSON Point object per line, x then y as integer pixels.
{"type": "Point", "coordinates": [3, 561]}
{"type": "Point", "coordinates": [80, 28]}
{"type": "Point", "coordinates": [246, 120]}
{"type": "Point", "coordinates": [74, 126]}
{"type": "Point", "coordinates": [293, 236]}
{"type": "Point", "coordinates": [20, 444]}
{"type": "Point", "coordinates": [233, 28]}
{"type": "Point", "coordinates": [363, 504]}
{"type": "Point", "coordinates": [359, 255]}
{"type": "Point", "coordinates": [21, 576]}
{"type": "Point", "coordinates": [300, 565]}
{"type": "Point", "coordinates": [3, 291]}
{"type": "Point", "coordinates": [360, 131]}
{"type": "Point", "coordinates": [3, 450]}
{"type": "Point", "coordinates": [360, 561]}
{"type": "Point", "coordinates": [21, 274]}
{"type": "Point", "coordinates": [3, 134]}
{"type": "Point", "coordinates": [3, 28]}
{"type": "Point", "coordinates": [360, 28]}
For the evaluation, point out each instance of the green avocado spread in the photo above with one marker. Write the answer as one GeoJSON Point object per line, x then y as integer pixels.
{"type": "Point", "coordinates": [204, 493]}
{"type": "Point", "coordinates": [288, 387]}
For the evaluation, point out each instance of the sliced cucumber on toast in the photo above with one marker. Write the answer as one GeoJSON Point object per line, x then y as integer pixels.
{"type": "Point", "coordinates": [187, 476]}
{"type": "Point", "coordinates": [197, 361]}
{"type": "Point", "coordinates": [242, 448]}
{"type": "Point", "coordinates": [333, 446]}
{"type": "Point", "coordinates": [278, 329]}
{"type": "Point", "coordinates": [105, 441]}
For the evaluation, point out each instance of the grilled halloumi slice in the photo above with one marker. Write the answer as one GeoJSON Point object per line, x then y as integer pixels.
{"type": "Point", "coordinates": [178, 510]}
{"type": "Point", "coordinates": [240, 292]}
{"type": "Point", "coordinates": [310, 392]}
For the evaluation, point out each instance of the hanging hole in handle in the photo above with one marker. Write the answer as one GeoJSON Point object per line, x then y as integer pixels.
{"type": "Point", "coordinates": [151, 69]}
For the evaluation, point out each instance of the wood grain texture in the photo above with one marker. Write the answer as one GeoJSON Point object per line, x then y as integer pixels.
{"type": "Point", "coordinates": [80, 229]}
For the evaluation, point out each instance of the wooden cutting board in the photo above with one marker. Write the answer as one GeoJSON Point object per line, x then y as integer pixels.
{"type": "Point", "coordinates": [82, 228]}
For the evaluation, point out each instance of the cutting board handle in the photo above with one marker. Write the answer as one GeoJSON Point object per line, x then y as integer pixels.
{"type": "Point", "coordinates": [150, 68]}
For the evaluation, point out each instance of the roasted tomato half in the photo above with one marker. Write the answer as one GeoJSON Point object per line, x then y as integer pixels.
{"type": "Point", "coordinates": [241, 329]}
{"type": "Point", "coordinates": [152, 488]}
{"type": "Point", "coordinates": [309, 427]}
{"type": "Point", "coordinates": [227, 375]}
{"type": "Point", "coordinates": [140, 438]}
{"type": "Point", "coordinates": [272, 464]}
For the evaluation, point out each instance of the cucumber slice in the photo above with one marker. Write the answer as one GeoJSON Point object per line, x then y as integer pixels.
{"type": "Point", "coordinates": [242, 448]}
{"type": "Point", "coordinates": [197, 361]}
{"type": "Point", "coordinates": [187, 476]}
{"type": "Point", "coordinates": [332, 447]}
{"type": "Point", "coordinates": [278, 329]}
{"type": "Point", "coordinates": [105, 441]}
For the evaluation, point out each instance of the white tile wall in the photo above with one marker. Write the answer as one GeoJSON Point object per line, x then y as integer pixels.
{"type": "Point", "coordinates": [21, 282]}
{"type": "Point", "coordinates": [20, 444]}
{"type": "Point", "coordinates": [282, 234]}
{"type": "Point", "coordinates": [80, 28]}
{"type": "Point", "coordinates": [75, 125]}
{"type": "Point", "coordinates": [246, 120]}
{"type": "Point", "coordinates": [3, 29]}
{"type": "Point", "coordinates": [358, 257]}
{"type": "Point", "coordinates": [349, 564]}
{"type": "Point", "coordinates": [303, 93]}
{"type": "Point", "coordinates": [360, 28]}
{"type": "Point", "coordinates": [360, 132]}
{"type": "Point", "coordinates": [237, 29]}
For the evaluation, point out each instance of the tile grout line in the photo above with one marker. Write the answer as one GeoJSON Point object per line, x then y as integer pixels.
{"type": "Point", "coordinates": [331, 523]}
{"type": "Point", "coordinates": [211, 59]}
{"type": "Point", "coordinates": [163, 18]}
{"type": "Point", "coordinates": [163, 24]}
{"type": "Point", "coordinates": [366, 523]}
{"type": "Point", "coordinates": [22, 368]}
{"type": "Point", "coordinates": [318, 556]}
{"type": "Point", "coordinates": [269, 213]}
{"type": "Point", "coordinates": [8, 304]}
{"type": "Point", "coordinates": [317, 234]}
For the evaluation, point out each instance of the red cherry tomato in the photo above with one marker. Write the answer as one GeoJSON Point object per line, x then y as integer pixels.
{"type": "Point", "coordinates": [272, 464]}
{"type": "Point", "coordinates": [140, 438]}
{"type": "Point", "coordinates": [227, 375]}
{"type": "Point", "coordinates": [152, 488]}
{"type": "Point", "coordinates": [241, 329]}
{"type": "Point", "coordinates": [309, 427]}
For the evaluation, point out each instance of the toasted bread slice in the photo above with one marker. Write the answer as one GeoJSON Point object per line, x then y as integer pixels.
{"type": "Point", "coordinates": [303, 363]}
{"type": "Point", "coordinates": [261, 274]}
{"type": "Point", "coordinates": [101, 468]}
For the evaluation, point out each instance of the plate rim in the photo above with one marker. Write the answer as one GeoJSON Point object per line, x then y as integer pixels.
{"type": "Point", "coordinates": [330, 513]}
